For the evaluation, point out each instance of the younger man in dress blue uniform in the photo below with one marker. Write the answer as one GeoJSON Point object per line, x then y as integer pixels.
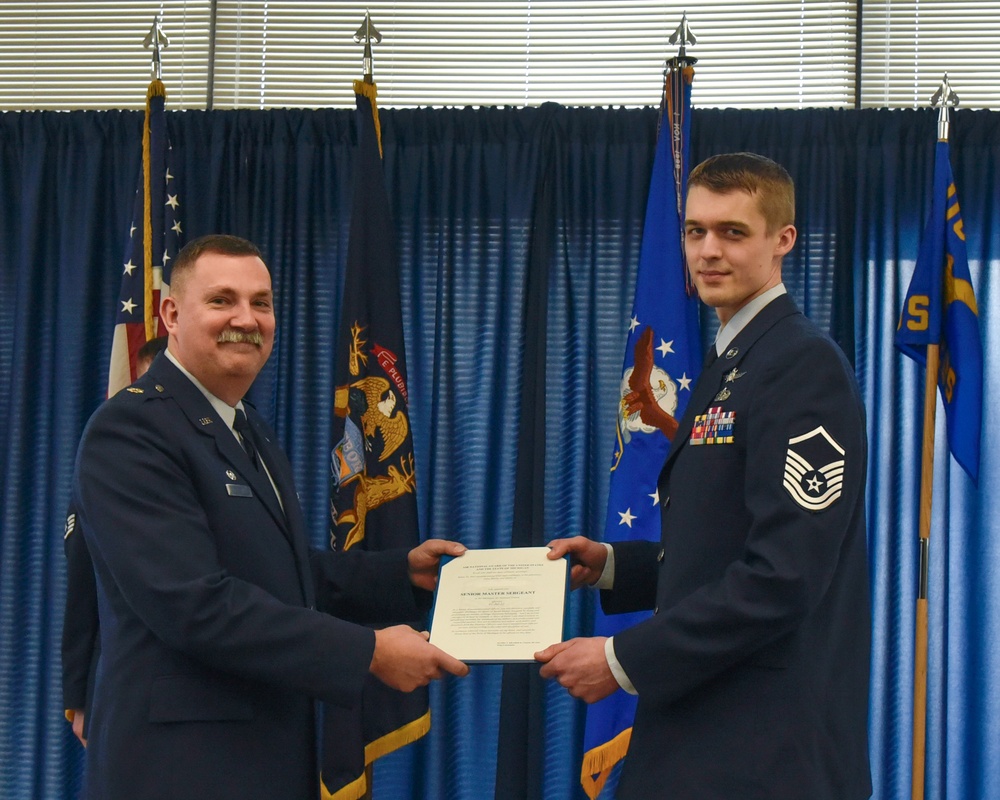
{"type": "Point", "coordinates": [752, 673]}
{"type": "Point", "coordinates": [214, 640]}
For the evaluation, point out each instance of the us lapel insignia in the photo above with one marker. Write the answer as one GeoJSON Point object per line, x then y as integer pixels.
{"type": "Point", "coordinates": [231, 475]}
{"type": "Point", "coordinates": [814, 469]}
{"type": "Point", "coordinates": [732, 352]}
{"type": "Point", "coordinates": [723, 395]}
{"type": "Point", "coordinates": [733, 374]}
{"type": "Point", "coordinates": [205, 420]}
{"type": "Point", "coordinates": [158, 388]}
{"type": "Point", "coordinates": [135, 390]}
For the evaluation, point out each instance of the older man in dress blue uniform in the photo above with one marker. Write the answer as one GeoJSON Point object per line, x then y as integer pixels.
{"type": "Point", "coordinates": [215, 644]}
{"type": "Point", "coordinates": [752, 673]}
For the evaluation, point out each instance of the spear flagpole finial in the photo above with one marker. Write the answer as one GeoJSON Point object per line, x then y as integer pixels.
{"type": "Point", "coordinates": [367, 33]}
{"type": "Point", "coordinates": [944, 99]}
{"type": "Point", "coordinates": [682, 37]}
{"type": "Point", "coordinates": [158, 41]}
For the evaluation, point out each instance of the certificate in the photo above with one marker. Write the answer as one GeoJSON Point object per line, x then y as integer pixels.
{"type": "Point", "coordinates": [498, 606]}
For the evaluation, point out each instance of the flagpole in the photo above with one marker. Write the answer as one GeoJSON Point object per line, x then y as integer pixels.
{"type": "Point", "coordinates": [684, 64]}
{"type": "Point", "coordinates": [943, 99]}
{"type": "Point", "coordinates": [367, 33]}
{"type": "Point", "coordinates": [158, 41]}
{"type": "Point", "coordinates": [920, 645]}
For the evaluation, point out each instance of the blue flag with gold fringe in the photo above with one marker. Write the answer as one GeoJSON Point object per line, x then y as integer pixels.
{"type": "Point", "coordinates": [662, 361]}
{"type": "Point", "coordinates": [373, 502]}
{"type": "Point", "coordinates": [940, 308]}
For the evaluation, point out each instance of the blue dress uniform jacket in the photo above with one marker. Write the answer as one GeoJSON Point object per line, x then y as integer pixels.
{"type": "Point", "coordinates": [213, 649]}
{"type": "Point", "coordinates": [753, 671]}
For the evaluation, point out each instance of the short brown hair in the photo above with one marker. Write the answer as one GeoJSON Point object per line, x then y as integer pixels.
{"type": "Point", "coordinates": [222, 243]}
{"type": "Point", "coordinates": [754, 174]}
{"type": "Point", "coordinates": [151, 349]}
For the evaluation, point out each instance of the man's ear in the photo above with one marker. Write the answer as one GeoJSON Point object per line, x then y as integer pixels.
{"type": "Point", "coordinates": [168, 313]}
{"type": "Point", "coordinates": [785, 241]}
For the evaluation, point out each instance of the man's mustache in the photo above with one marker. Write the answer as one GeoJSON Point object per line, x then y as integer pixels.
{"type": "Point", "coordinates": [241, 337]}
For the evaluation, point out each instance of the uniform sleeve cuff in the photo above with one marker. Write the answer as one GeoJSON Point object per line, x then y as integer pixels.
{"type": "Point", "coordinates": [616, 668]}
{"type": "Point", "coordinates": [607, 579]}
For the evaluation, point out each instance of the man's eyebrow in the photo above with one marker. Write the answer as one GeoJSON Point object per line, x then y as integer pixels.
{"type": "Point", "coordinates": [229, 287]}
{"type": "Point", "coordinates": [724, 223]}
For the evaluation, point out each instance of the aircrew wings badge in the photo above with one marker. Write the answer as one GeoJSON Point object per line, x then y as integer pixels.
{"type": "Point", "coordinates": [814, 469]}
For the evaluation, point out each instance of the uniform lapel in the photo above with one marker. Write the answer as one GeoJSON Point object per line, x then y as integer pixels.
{"type": "Point", "coordinates": [710, 380]}
{"type": "Point", "coordinates": [205, 420]}
{"type": "Point", "coordinates": [292, 521]}
{"type": "Point", "coordinates": [705, 389]}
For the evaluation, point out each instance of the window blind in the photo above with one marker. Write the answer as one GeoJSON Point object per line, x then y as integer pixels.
{"type": "Point", "coordinates": [591, 53]}
{"type": "Point", "coordinates": [908, 46]}
{"type": "Point", "coordinates": [266, 54]}
{"type": "Point", "coordinates": [64, 55]}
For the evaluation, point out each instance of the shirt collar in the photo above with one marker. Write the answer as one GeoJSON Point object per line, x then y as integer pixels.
{"type": "Point", "coordinates": [222, 408]}
{"type": "Point", "coordinates": [742, 318]}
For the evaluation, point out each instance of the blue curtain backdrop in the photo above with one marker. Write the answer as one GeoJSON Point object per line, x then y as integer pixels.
{"type": "Point", "coordinates": [479, 197]}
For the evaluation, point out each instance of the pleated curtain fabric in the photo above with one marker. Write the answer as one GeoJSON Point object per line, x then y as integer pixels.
{"type": "Point", "coordinates": [463, 184]}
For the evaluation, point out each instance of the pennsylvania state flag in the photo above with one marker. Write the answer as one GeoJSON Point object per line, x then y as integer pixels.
{"type": "Point", "coordinates": [372, 494]}
{"type": "Point", "coordinates": [940, 308]}
{"type": "Point", "coordinates": [662, 360]}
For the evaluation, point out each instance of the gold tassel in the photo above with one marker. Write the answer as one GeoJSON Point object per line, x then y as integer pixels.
{"type": "Point", "coordinates": [370, 90]}
{"type": "Point", "coordinates": [155, 89]}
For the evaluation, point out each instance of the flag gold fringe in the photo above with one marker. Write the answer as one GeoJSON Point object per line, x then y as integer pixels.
{"type": "Point", "coordinates": [370, 90]}
{"type": "Point", "coordinates": [600, 761]}
{"type": "Point", "coordinates": [392, 741]}
{"type": "Point", "coordinates": [400, 737]}
{"type": "Point", "coordinates": [155, 89]}
{"type": "Point", "coordinates": [355, 790]}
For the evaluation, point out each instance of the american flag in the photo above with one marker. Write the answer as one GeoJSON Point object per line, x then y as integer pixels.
{"type": "Point", "coordinates": [152, 241]}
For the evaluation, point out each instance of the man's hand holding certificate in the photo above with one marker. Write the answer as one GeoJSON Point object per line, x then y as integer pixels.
{"type": "Point", "coordinates": [502, 605]}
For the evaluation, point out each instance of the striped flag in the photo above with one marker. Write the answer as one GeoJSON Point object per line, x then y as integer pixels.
{"type": "Point", "coordinates": [662, 353]}
{"type": "Point", "coordinates": [373, 504]}
{"type": "Point", "coordinates": [153, 240]}
{"type": "Point", "coordinates": [940, 308]}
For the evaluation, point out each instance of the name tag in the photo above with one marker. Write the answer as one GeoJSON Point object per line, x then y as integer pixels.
{"type": "Point", "coordinates": [238, 490]}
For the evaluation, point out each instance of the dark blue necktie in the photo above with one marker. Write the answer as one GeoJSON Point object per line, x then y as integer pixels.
{"type": "Point", "coordinates": [242, 426]}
